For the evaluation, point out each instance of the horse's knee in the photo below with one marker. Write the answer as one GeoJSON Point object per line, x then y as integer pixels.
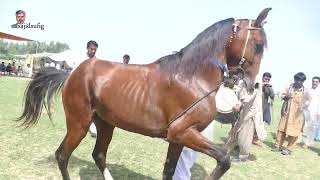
{"type": "Point", "coordinates": [62, 161]}
{"type": "Point", "coordinates": [168, 173]}
{"type": "Point", "coordinates": [98, 156]}
{"type": "Point", "coordinates": [100, 160]}
{"type": "Point", "coordinates": [167, 176]}
{"type": "Point", "coordinates": [173, 133]}
{"type": "Point", "coordinates": [225, 162]}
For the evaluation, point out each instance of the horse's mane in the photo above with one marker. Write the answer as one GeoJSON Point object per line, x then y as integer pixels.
{"type": "Point", "coordinates": [207, 45]}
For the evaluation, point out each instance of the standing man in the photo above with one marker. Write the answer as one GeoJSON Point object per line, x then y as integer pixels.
{"type": "Point", "coordinates": [126, 59]}
{"type": "Point", "coordinates": [92, 47]}
{"type": "Point", "coordinates": [312, 115]}
{"type": "Point", "coordinates": [2, 68]}
{"type": "Point", "coordinates": [249, 123]}
{"type": "Point", "coordinates": [296, 99]}
{"type": "Point", "coordinates": [267, 97]}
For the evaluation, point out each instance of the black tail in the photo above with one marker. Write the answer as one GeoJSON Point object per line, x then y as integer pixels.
{"type": "Point", "coordinates": [39, 93]}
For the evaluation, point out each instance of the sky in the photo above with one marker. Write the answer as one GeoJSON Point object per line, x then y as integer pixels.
{"type": "Point", "coordinates": [149, 29]}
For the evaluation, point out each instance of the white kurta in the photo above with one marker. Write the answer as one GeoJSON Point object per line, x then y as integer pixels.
{"type": "Point", "coordinates": [250, 121]}
{"type": "Point", "coordinates": [76, 63]}
{"type": "Point", "coordinates": [312, 116]}
{"type": "Point", "coordinates": [254, 112]}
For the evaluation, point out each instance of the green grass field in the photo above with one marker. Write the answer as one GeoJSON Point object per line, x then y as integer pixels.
{"type": "Point", "coordinates": [29, 154]}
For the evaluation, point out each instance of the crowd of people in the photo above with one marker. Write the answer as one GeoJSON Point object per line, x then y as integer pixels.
{"type": "Point", "coordinates": [300, 115]}
{"type": "Point", "coordinates": [13, 70]}
{"type": "Point", "coordinates": [299, 119]}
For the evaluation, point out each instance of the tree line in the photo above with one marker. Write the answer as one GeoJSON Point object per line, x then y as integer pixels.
{"type": "Point", "coordinates": [8, 50]}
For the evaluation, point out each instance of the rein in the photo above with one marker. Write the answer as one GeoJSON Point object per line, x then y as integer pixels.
{"type": "Point", "coordinates": [192, 105]}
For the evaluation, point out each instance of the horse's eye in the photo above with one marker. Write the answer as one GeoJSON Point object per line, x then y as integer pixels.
{"type": "Point", "coordinates": [259, 48]}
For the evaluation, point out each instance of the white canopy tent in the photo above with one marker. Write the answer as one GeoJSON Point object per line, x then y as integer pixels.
{"type": "Point", "coordinates": [70, 57]}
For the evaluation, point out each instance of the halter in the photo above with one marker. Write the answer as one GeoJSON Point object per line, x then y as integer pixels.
{"type": "Point", "coordinates": [222, 67]}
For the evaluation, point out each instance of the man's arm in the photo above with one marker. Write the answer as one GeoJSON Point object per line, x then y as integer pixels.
{"type": "Point", "coordinates": [272, 95]}
{"type": "Point", "coordinates": [285, 94]}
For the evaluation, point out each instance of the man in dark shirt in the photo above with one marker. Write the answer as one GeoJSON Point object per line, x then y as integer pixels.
{"type": "Point", "coordinates": [267, 97]}
{"type": "Point", "coordinates": [2, 68]}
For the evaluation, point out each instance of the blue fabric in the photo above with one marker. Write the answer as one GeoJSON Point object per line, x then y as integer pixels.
{"type": "Point", "coordinates": [221, 66]}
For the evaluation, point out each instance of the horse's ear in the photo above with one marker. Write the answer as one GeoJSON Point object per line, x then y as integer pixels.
{"type": "Point", "coordinates": [262, 16]}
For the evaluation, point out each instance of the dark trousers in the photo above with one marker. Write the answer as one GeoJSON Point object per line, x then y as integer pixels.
{"type": "Point", "coordinates": [267, 113]}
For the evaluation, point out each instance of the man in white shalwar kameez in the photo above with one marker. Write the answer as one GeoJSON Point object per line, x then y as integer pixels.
{"type": "Point", "coordinates": [250, 121]}
{"type": "Point", "coordinates": [312, 114]}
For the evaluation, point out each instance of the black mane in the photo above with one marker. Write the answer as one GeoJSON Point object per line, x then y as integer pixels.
{"type": "Point", "coordinates": [207, 45]}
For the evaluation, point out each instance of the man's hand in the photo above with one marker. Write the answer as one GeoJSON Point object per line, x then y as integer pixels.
{"type": "Point", "coordinates": [236, 108]}
{"type": "Point", "coordinates": [267, 84]}
{"type": "Point", "coordinates": [287, 97]}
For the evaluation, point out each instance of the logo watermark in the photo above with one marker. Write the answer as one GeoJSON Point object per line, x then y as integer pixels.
{"type": "Point", "coordinates": [30, 26]}
{"type": "Point", "coordinates": [21, 17]}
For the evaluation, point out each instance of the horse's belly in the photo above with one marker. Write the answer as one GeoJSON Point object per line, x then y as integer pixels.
{"type": "Point", "coordinates": [147, 127]}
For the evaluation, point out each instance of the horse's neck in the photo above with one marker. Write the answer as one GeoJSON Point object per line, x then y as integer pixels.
{"type": "Point", "coordinates": [209, 78]}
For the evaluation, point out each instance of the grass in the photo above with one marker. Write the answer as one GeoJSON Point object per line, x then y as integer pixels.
{"type": "Point", "coordinates": [29, 154]}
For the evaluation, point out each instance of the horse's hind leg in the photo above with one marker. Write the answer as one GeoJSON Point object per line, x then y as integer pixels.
{"type": "Point", "coordinates": [196, 141]}
{"type": "Point", "coordinates": [77, 127]}
{"type": "Point", "coordinates": [104, 136]}
{"type": "Point", "coordinates": [173, 155]}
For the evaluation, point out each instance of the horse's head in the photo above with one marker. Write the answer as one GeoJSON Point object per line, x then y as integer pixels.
{"type": "Point", "coordinates": [246, 46]}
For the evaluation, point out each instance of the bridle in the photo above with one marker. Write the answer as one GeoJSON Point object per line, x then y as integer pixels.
{"type": "Point", "coordinates": [235, 30]}
{"type": "Point", "coordinates": [222, 68]}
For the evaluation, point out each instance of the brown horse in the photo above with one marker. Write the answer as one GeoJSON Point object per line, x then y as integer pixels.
{"type": "Point", "coordinates": [160, 99]}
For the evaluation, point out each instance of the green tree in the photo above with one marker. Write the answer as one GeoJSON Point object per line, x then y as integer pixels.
{"type": "Point", "coordinates": [7, 50]}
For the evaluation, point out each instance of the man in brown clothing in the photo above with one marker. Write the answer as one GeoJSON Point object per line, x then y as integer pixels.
{"type": "Point", "coordinates": [292, 119]}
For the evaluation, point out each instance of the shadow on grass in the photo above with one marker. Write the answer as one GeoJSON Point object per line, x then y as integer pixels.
{"type": "Point", "coordinates": [274, 135]}
{"type": "Point", "coordinates": [88, 170]}
{"type": "Point", "coordinates": [198, 172]}
{"type": "Point", "coordinates": [224, 139]}
{"type": "Point", "coordinates": [269, 144]}
{"type": "Point", "coordinates": [316, 150]}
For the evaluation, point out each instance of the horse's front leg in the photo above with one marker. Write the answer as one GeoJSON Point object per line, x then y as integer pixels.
{"type": "Point", "coordinates": [173, 154]}
{"type": "Point", "coordinates": [193, 139]}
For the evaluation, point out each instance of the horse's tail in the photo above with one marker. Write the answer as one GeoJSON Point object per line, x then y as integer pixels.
{"type": "Point", "coordinates": [39, 93]}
